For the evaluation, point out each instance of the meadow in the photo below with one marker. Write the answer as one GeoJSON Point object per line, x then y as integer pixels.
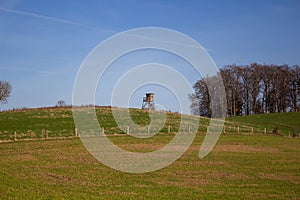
{"type": "Point", "coordinates": [58, 122]}
{"type": "Point", "coordinates": [241, 166]}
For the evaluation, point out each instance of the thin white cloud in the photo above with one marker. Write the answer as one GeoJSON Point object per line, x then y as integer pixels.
{"type": "Point", "coordinates": [24, 69]}
{"type": "Point", "coordinates": [164, 41]}
{"type": "Point", "coordinates": [19, 12]}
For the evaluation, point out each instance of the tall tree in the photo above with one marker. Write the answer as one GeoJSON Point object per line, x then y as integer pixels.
{"type": "Point", "coordinates": [200, 99]}
{"type": "Point", "coordinates": [251, 89]}
{"type": "Point", "coordinates": [255, 74]}
{"type": "Point", "coordinates": [5, 90]}
{"type": "Point", "coordinates": [294, 95]}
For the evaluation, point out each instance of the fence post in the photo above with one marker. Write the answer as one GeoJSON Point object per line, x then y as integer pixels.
{"type": "Point", "coordinates": [238, 129]}
{"type": "Point", "coordinates": [224, 129]}
{"type": "Point", "coordinates": [169, 129]}
{"type": "Point", "coordinates": [251, 129]}
{"type": "Point", "coordinates": [103, 132]}
{"type": "Point", "coordinates": [189, 129]}
{"type": "Point", "coordinates": [289, 134]}
{"type": "Point", "coordinates": [127, 130]}
{"type": "Point", "coordinates": [15, 136]}
{"type": "Point", "coordinates": [46, 134]}
{"type": "Point", "coordinates": [265, 130]}
{"type": "Point", "coordinates": [76, 133]}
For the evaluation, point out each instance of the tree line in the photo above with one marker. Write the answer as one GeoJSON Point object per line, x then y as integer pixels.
{"type": "Point", "coordinates": [252, 89]}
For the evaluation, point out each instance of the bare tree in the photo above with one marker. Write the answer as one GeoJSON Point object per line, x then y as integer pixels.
{"type": "Point", "coordinates": [61, 103]}
{"type": "Point", "coordinates": [256, 74]}
{"type": "Point", "coordinates": [200, 99]}
{"type": "Point", "coordinates": [228, 80]}
{"type": "Point", "coordinates": [234, 88]}
{"type": "Point", "coordinates": [5, 90]}
{"type": "Point", "coordinates": [294, 95]}
{"type": "Point", "coordinates": [250, 89]}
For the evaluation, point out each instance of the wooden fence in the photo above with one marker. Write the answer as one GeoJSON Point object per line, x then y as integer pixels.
{"type": "Point", "coordinates": [127, 130]}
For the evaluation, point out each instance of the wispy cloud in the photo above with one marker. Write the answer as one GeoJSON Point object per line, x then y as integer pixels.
{"type": "Point", "coordinates": [59, 20]}
{"type": "Point", "coordinates": [162, 39]}
{"type": "Point", "coordinates": [19, 12]}
{"type": "Point", "coordinates": [25, 69]}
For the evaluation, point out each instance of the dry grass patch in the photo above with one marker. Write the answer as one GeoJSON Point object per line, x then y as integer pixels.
{"type": "Point", "coordinates": [244, 148]}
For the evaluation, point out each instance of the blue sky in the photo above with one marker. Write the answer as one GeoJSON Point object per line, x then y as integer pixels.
{"type": "Point", "coordinates": [43, 43]}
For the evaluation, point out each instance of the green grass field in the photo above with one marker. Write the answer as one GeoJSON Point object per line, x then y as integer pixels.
{"type": "Point", "coordinates": [32, 123]}
{"type": "Point", "coordinates": [239, 167]}
{"type": "Point", "coordinates": [252, 166]}
{"type": "Point", "coordinates": [286, 122]}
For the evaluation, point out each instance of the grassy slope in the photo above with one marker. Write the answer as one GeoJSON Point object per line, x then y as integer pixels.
{"type": "Point", "coordinates": [30, 123]}
{"type": "Point", "coordinates": [286, 122]}
{"type": "Point", "coordinates": [59, 122]}
{"type": "Point", "coordinates": [239, 167]}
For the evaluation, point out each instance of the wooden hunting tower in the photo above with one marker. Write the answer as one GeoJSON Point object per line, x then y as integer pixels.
{"type": "Point", "coordinates": [148, 102]}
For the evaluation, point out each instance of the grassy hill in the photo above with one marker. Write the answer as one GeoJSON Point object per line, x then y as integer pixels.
{"type": "Point", "coordinates": [285, 122]}
{"type": "Point", "coordinates": [58, 121]}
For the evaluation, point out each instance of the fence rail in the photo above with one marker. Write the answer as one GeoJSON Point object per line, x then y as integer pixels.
{"type": "Point", "coordinates": [127, 130]}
